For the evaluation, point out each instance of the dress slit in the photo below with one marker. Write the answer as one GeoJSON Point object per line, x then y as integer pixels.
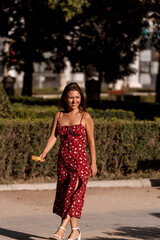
{"type": "Point", "coordinates": [68, 212]}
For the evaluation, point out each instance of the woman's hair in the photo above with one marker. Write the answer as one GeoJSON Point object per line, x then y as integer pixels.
{"type": "Point", "coordinates": [73, 86]}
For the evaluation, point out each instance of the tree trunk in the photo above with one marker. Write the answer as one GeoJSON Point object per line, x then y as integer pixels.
{"type": "Point", "coordinates": [27, 81]}
{"type": "Point", "coordinates": [93, 81]}
{"type": "Point", "coordinates": [158, 85]}
{"type": "Point", "coordinates": [28, 52]}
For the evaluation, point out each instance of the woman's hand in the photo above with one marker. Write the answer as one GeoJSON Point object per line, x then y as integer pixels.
{"type": "Point", "coordinates": [42, 156]}
{"type": "Point", "coordinates": [93, 169]}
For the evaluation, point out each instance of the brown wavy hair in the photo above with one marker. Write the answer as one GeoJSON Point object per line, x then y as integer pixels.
{"type": "Point", "coordinates": [73, 86]}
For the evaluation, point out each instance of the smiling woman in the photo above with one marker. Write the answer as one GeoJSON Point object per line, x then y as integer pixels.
{"type": "Point", "coordinates": [73, 99]}
{"type": "Point", "coordinates": [72, 90]}
{"type": "Point", "coordinates": [73, 125]}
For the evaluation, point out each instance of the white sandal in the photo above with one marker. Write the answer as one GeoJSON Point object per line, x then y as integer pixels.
{"type": "Point", "coordinates": [57, 237]}
{"type": "Point", "coordinates": [78, 237]}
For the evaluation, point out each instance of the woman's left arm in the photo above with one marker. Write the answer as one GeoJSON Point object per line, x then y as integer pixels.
{"type": "Point", "coordinates": [89, 125]}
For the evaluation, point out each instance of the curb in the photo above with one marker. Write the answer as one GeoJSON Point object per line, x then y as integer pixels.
{"type": "Point", "coordinates": [134, 183]}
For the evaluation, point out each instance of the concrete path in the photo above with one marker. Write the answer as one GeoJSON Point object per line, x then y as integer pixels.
{"type": "Point", "coordinates": [109, 213]}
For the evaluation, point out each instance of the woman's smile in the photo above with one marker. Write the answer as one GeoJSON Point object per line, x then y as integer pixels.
{"type": "Point", "coordinates": [73, 99]}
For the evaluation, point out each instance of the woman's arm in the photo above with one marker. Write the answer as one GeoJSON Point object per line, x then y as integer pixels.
{"type": "Point", "coordinates": [52, 139]}
{"type": "Point", "coordinates": [89, 125]}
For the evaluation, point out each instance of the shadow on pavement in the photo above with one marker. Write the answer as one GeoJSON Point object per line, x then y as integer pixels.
{"type": "Point", "coordinates": [156, 215]}
{"type": "Point", "coordinates": [155, 182]}
{"type": "Point", "coordinates": [148, 233]}
{"type": "Point", "coordinates": [122, 233]}
{"type": "Point", "coordinates": [18, 235]}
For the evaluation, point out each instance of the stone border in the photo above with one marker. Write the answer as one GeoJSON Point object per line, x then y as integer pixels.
{"type": "Point", "coordinates": [132, 183]}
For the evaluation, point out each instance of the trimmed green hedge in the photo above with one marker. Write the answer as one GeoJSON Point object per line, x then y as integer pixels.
{"type": "Point", "coordinates": [109, 114]}
{"type": "Point", "coordinates": [34, 100]}
{"type": "Point", "coordinates": [5, 107]}
{"type": "Point", "coordinates": [34, 112]}
{"type": "Point", "coordinates": [142, 110]}
{"type": "Point", "coordinates": [120, 146]}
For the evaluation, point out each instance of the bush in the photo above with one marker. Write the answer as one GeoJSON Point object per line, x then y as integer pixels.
{"type": "Point", "coordinates": [34, 100]}
{"type": "Point", "coordinates": [109, 114]}
{"type": "Point", "coordinates": [5, 108]}
{"type": "Point", "coordinates": [141, 110]}
{"type": "Point", "coordinates": [19, 140]}
{"type": "Point", "coordinates": [120, 146]}
{"type": "Point", "coordinates": [34, 112]}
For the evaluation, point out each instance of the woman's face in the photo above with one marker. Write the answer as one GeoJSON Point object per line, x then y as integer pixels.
{"type": "Point", "coordinates": [73, 99]}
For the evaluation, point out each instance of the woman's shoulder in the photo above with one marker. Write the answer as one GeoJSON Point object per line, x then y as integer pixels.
{"type": "Point", "coordinates": [58, 114]}
{"type": "Point", "coordinates": [87, 116]}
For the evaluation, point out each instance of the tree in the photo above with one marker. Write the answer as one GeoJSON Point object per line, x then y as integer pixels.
{"type": "Point", "coordinates": [155, 39]}
{"type": "Point", "coordinates": [29, 27]}
{"type": "Point", "coordinates": [105, 36]}
{"type": "Point", "coordinates": [34, 27]}
{"type": "Point", "coordinates": [97, 36]}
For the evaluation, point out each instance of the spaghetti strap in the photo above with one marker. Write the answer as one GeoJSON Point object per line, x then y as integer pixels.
{"type": "Point", "coordinates": [82, 117]}
{"type": "Point", "coordinates": [59, 116]}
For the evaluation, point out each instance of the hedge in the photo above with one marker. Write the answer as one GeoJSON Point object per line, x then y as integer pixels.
{"type": "Point", "coordinates": [34, 112]}
{"type": "Point", "coordinates": [142, 110]}
{"type": "Point", "coordinates": [5, 106]}
{"type": "Point", "coordinates": [121, 148]}
{"type": "Point", "coordinates": [34, 100]}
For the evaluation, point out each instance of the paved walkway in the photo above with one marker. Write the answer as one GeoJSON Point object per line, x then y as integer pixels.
{"type": "Point", "coordinates": [109, 213]}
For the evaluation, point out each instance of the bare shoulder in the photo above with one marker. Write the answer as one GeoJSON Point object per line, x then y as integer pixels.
{"type": "Point", "coordinates": [87, 118]}
{"type": "Point", "coordinates": [56, 116]}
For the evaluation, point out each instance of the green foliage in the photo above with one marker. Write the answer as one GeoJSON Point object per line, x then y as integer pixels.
{"type": "Point", "coordinates": [70, 8]}
{"type": "Point", "coordinates": [19, 140]}
{"type": "Point", "coordinates": [33, 100]}
{"type": "Point", "coordinates": [124, 144]}
{"type": "Point", "coordinates": [120, 145]}
{"type": "Point", "coordinates": [109, 114]}
{"type": "Point", "coordinates": [97, 33]}
{"type": "Point", "coordinates": [141, 110]}
{"type": "Point", "coordinates": [101, 36]}
{"type": "Point", "coordinates": [39, 112]}
{"type": "Point", "coordinates": [33, 112]}
{"type": "Point", "coordinates": [5, 108]}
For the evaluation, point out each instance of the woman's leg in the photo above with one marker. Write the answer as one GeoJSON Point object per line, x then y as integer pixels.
{"type": "Point", "coordinates": [64, 223]}
{"type": "Point", "coordinates": [74, 221]}
{"type": "Point", "coordinates": [74, 224]}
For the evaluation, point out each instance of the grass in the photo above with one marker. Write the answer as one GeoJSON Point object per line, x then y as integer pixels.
{"type": "Point", "coordinates": [39, 91]}
{"type": "Point", "coordinates": [49, 91]}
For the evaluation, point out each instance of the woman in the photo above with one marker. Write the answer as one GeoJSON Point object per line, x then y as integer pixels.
{"type": "Point", "coordinates": [73, 125]}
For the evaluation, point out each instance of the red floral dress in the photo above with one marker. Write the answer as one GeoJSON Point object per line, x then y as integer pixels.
{"type": "Point", "coordinates": [72, 166]}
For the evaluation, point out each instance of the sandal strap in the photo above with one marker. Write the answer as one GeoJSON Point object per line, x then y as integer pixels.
{"type": "Point", "coordinates": [77, 228]}
{"type": "Point", "coordinates": [55, 236]}
{"type": "Point", "coordinates": [63, 228]}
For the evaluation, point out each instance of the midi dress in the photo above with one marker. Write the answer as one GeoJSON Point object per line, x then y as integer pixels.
{"type": "Point", "coordinates": [72, 167]}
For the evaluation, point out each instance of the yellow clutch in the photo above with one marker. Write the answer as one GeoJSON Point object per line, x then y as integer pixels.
{"type": "Point", "coordinates": [36, 158]}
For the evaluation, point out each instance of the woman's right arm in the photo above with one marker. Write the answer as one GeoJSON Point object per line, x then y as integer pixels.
{"type": "Point", "coordinates": [52, 138]}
